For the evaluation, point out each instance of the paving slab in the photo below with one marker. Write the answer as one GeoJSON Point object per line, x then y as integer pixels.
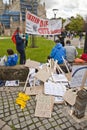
{"type": "Point", "coordinates": [14, 118]}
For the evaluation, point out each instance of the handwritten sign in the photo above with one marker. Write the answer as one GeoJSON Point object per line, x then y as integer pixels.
{"type": "Point", "coordinates": [44, 106]}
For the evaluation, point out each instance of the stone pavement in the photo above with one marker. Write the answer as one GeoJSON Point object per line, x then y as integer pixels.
{"type": "Point", "coordinates": [74, 41]}
{"type": "Point", "coordinates": [14, 118]}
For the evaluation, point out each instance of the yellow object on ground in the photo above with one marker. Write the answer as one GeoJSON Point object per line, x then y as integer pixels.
{"type": "Point", "coordinates": [21, 100]}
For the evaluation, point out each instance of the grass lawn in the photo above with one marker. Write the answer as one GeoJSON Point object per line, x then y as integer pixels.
{"type": "Point", "coordinates": [39, 53]}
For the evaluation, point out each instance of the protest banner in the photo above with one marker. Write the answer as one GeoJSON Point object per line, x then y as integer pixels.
{"type": "Point", "coordinates": [39, 26]}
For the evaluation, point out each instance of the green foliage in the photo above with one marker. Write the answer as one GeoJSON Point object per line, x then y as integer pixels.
{"type": "Point", "coordinates": [13, 128]}
{"type": "Point", "coordinates": [6, 43]}
{"type": "Point", "coordinates": [80, 51]}
{"type": "Point", "coordinates": [76, 24]}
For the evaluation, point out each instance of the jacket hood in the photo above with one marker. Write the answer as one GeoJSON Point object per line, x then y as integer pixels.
{"type": "Point", "coordinates": [58, 45]}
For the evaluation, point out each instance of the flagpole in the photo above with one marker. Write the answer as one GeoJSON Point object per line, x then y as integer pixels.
{"type": "Point", "coordinates": [55, 12]}
{"type": "Point", "coordinates": [85, 43]}
{"type": "Point", "coordinates": [25, 19]}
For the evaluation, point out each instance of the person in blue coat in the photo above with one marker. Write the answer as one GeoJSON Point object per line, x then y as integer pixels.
{"type": "Point", "coordinates": [12, 58]}
{"type": "Point", "coordinates": [58, 52]}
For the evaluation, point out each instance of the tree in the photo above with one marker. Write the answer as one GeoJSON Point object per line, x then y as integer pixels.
{"type": "Point", "coordinates": [76, 24]}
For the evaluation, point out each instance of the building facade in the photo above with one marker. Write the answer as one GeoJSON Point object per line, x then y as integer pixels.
{"type": "Point", "coordinates": [12, 15]}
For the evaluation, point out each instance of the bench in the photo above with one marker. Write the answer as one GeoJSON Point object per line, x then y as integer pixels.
{"type": "Point", "coordinates": [17, 72]}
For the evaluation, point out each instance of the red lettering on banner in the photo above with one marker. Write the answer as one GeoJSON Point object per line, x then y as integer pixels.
{"type": "Point", "coordinates": [43, 23]}
{"type": "Point", "coordinates": [33, 18]}
{"type": "Point", "coordinates": [56, 31]}
{"type": "Point", "coordinates": [43, 31]}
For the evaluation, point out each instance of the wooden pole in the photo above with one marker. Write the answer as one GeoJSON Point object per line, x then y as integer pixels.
{"type": "Point", "coordinates": [84, 80]}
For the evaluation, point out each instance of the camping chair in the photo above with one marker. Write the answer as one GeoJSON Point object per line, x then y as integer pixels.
{"type": "Point", "coordinates": [84, 76]}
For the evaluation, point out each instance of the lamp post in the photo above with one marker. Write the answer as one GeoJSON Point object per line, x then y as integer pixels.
{"type": "Point", "coordinates": [32, 36]}
{"type": "Point", "coordinates": [55, 12]}
{"type": "Point", "coordinates": [85, 43]}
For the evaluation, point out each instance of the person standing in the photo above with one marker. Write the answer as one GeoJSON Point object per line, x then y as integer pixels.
{"type": "Point", "coordinates": [20, 45]}
{"type": "Point", "coordinates": [80, 36]}
{"type": "Point", "coordinates": [80, 39]}
{"type": "Point", "coordinates": [62, 37]}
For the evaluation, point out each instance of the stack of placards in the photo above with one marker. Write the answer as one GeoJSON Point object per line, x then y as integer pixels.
{"type": "Point", "coordinates": [49, 92]}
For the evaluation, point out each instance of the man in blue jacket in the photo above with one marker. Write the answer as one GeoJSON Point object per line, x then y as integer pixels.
{"type": "Point", "coordinates": [58, 52]}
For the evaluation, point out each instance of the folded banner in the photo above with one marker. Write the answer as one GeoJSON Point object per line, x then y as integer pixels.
{"type": "Point", "coordinates": [39, 26]}
{"type": "Point", "coordinates": [13, 37]}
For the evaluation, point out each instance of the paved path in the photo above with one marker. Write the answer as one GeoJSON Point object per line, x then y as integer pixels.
{"type": "Point", "coordinates": [74, 41]}
{"type": "Point", "coordinates": [77, 43]}
{"type": "Point", "coordinates": [13, 118]}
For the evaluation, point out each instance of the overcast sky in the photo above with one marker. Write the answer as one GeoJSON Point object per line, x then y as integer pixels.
{"type": "Point", "coordinates": [66, 8]}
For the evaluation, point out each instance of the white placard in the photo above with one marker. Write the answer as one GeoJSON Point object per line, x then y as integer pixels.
{"type": "Point", "coordinates": [12, 83]}
{"type": "Point", "coordinates": [56, 89]}
{"type": "Point", "coordinates": [59, 78]}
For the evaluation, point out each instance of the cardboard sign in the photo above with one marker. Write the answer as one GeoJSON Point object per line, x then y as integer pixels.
{"type": "Point", "coordinates": [70, 96]}
{"type": "Point", "coordinates": [34, 90]}
{"type": "Point", "coordinates": [42, 75]}
{"type": "Point", "coordinates": [32, 64]}
{"type": "Point", "coordinates": [44, 106]}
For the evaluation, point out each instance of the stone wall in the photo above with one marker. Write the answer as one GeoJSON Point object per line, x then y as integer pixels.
{"type": "Point", "coordinates": [18, 72]}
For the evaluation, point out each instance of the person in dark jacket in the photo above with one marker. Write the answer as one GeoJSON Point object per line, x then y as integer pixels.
{"type": "Point", "coordinates": [62, 37]}
{"type": "Point", "coordinates": [20, 46]}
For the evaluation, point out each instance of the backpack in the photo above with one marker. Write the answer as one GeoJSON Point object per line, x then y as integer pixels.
{"type": "Point", "coordinates": [84, 56]}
